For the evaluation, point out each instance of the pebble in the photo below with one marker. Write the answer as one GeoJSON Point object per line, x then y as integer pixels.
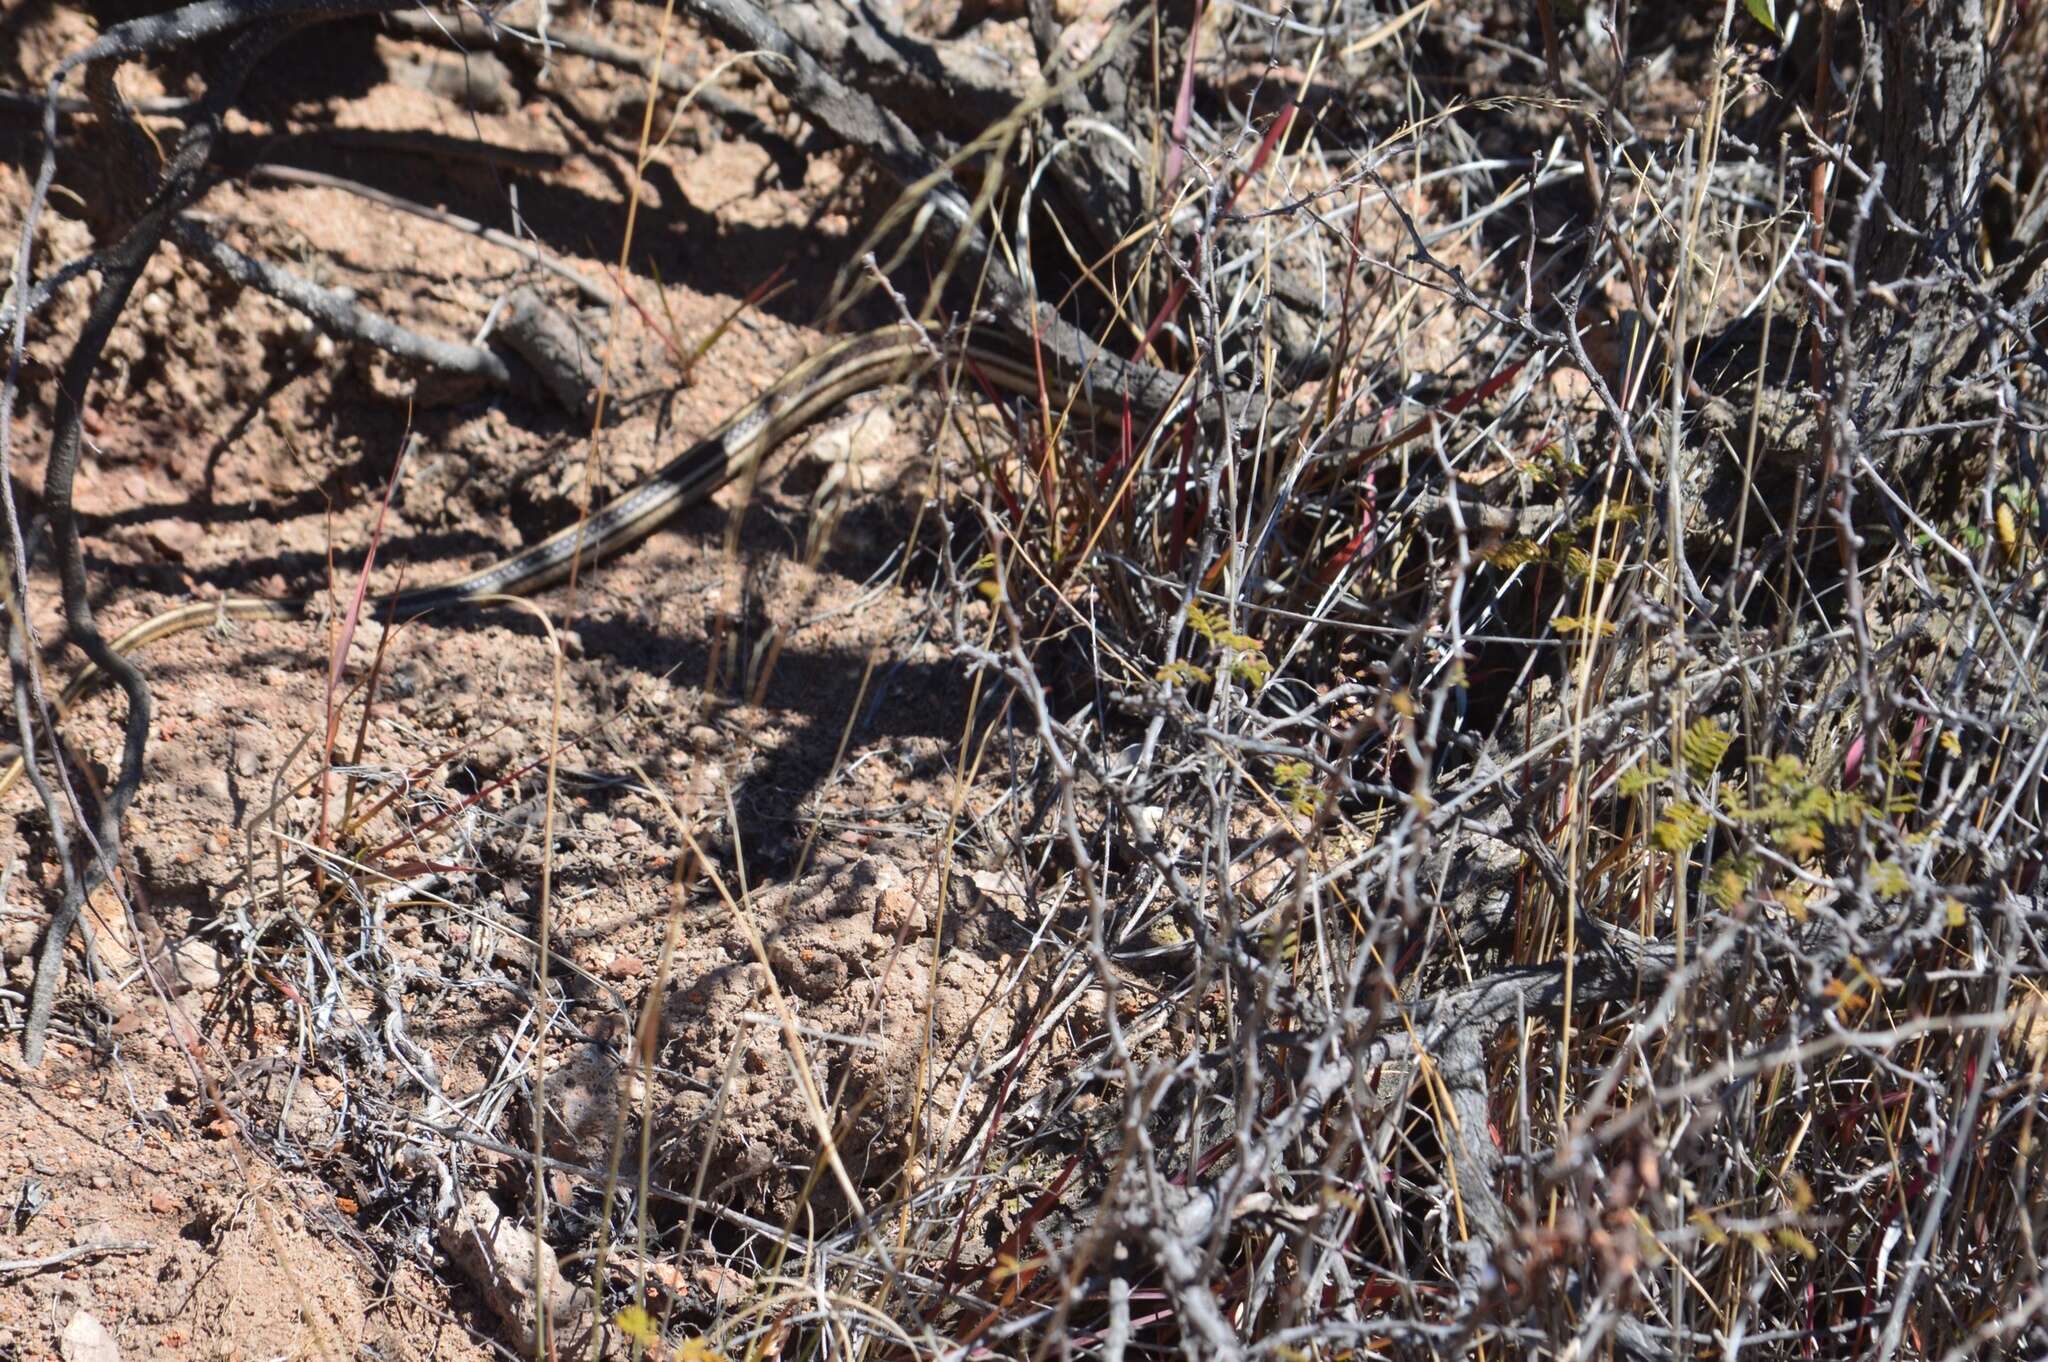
{"type": "Point", "coordinates": [198, 966]}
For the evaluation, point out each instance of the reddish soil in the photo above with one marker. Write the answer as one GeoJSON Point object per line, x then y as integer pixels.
{"type": "Point", "coordinates": [239, 1137]}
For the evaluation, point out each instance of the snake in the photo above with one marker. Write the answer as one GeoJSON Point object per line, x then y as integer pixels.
{"type": "Point", "coordinates": [744, 439]}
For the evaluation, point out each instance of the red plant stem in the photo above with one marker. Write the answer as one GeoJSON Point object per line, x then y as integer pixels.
{"type": "Point", "coordinates": [339, 661]}
{"type": "Point", "coordinates": [1176, 295]}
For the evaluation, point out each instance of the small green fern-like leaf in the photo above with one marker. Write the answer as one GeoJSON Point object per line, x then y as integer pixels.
{"type": "Point", "coordinates": [1730, 880]}
{"type": "Point", "coordinates": [1516, 553]}
{"type": "Point", "coordinates": [1570, 625]}
{"type": "Point", "coordinates": [1682, 826]}
{"type": "Point", "coordinates": [1637, 779]}
{"type": "Point", "coordinates": [1607, 514]}
{"type": "Point", "coordinates": [1702, 748]}
{"type": "Point", "coordinates": [1581, 565]}
{"type": "Point", "coordinates": [1252, 669]}
{"type": "Point", "coordinates": [1295, 780]}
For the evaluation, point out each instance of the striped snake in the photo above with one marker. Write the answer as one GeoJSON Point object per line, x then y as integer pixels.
{"type": "Point", "coordinates": [750, 434]}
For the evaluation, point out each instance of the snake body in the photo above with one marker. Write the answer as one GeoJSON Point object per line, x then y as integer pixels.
{"type": "Point", "coordinates": [749, 435]}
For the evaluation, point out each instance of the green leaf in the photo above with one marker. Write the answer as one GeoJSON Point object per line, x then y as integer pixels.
{"type": "Point", "coordinates": [1681, 826]}
{"type": "Point", "coordinates": [1730, 880]}
{"type": "Point", "coordinates": [1638, 779]}
{"type": "Point", "coordinates": [1516, 553]}
{"type": "Point", "coordinates": [1569, 625]}
{"type": "Point", "coordinates": [1702, 748]}
{"type": "Point", "coordinates": [1252, 669]}
{"type": "Point", "coordinates": [1764, 12]}
{"type": "Point", "coordinates": [635, 1323]}
{"type": "Point", "coordinates": [1789, 1237]}
{"type": "Point", "coordinates": [1581, 565]}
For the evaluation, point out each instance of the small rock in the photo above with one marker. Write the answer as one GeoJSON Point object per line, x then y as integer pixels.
{"type": "Point", "coordinates": [499, 1258]}
{"type": "Point", "coordinates": [625, 966]}
{"type": "Point", "coordinates": [197, 967]}
{"type": "Point", "coordinates": [898, 913]}
{"type": "Point", "coordinates": [18, 936]}
{"type": "Point", "coordinates": [1091, 1012]}
{"type": "Point", "coordinates": [722, 1284]}
{"type": "Point", "coordinates": [85, 1339]}
{"type": "Point", "coordinates": [853, 438]}
{"type": "Point", "coordinates": [163, 1203]}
